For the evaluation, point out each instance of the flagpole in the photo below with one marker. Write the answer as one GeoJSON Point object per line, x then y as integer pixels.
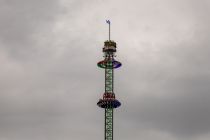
{"type": "Point", "coordinates": [108, 22]}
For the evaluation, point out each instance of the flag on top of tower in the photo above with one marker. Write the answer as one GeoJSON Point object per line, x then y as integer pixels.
{"type": "Point", "coordinates": [108, 21]}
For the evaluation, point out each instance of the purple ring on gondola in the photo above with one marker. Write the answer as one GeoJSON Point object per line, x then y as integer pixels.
{"type": "Point", "coordinates": [105, 64]}
{"type": "Point", "coordinates": [109, 103]}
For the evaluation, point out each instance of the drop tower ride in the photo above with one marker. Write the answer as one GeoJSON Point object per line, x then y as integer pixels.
{"type": "Point", "coordinates": [109, 101]}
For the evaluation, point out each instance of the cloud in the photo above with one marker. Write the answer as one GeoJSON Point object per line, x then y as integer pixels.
{"type": "Point", "coordinates": [173, 88]}
{"type": "Point", "coordinates": [50, 83]}
{"type": "Point", "coordinates": [22, 23]}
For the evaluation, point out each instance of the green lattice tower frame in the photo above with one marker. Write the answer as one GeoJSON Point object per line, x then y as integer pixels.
{"type": "Point", "coordinates": [109, 74]}
{"type": "Point", "coordinates": [109, 102]}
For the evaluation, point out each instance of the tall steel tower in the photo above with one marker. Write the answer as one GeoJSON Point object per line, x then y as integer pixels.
{"type": "Point", "coordinates": [109, 102]}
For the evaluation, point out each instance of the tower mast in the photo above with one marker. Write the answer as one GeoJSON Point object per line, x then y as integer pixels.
{"type": "Point", "coordinates": [109, 103]}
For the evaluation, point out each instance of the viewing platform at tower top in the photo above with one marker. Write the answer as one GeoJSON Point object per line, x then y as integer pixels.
{"type": "Point", "coordinates": [109, 46]}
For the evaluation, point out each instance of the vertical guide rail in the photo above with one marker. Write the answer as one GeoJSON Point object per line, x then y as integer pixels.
{"type": "Point", "coordinates": [109, 111]}
{"type": "Point", "coordinates": [109, 31]}
{"type": "Point", "coordinates": [109, 124]}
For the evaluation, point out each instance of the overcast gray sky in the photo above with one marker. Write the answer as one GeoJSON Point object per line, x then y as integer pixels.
{"type": "Point", "coordinates": [50, 84]}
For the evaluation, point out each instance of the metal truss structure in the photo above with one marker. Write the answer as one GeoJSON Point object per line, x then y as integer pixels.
{"type": "Point", "coordinates": [109, 103]}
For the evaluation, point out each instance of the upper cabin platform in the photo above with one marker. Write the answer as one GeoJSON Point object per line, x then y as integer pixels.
{"type": "Point", "coordinates": [109, 46]}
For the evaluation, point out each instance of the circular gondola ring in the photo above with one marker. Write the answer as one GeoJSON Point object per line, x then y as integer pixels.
{"type": "Point", "coordinates": [105, 64]}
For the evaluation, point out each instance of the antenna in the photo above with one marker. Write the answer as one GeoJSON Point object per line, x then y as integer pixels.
{"type": "Point", "coordinates": [108, 22]}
